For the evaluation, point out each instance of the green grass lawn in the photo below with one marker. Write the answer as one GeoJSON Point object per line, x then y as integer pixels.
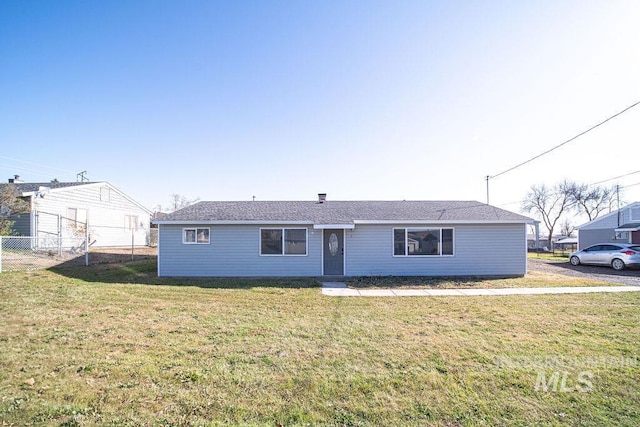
{"type": "Point", "coordinates": [558, 256]}
{"type": "Point", "coordinates": [86, 346]}
{"type": "Point", "coordinates": [534, 279]}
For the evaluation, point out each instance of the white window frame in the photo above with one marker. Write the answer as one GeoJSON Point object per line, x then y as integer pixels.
{"type": "Point", "coordinates": [130, 220]}
{"type": "Point", "coordinates": [195, 229]}
{"type": "Point", "coordinates": [283, 229]}
{"type": "Point", "coordinates": [105, 194]}
{"type": "Point", "coordinates": [406, 232]}
{"type": "Point", "coordinates": [73, 222]}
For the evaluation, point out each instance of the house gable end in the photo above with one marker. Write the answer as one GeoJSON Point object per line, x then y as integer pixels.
{"type": "Point", "coordinates": [612, 220]}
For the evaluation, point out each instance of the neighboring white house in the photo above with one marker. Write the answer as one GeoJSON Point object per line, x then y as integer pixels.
{"type": "Point", "coordinates": [64, 209]}
{"type": "Point", "coordinates": [621, 226]}
{"type": "Point", "coordinates": [342, 238]}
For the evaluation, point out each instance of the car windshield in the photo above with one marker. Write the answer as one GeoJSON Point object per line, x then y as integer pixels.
{"type": "Point", "coordinates": [635, 248]}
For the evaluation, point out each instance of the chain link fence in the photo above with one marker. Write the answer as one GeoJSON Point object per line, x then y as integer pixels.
{"type": "Point", "coordinates": [32, 253]}
{"type": "Point", "coordinates": [153, 237]}
{"type": "Point", "coordinates": [61, 240]}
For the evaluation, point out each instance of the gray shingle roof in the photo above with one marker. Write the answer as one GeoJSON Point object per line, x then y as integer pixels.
{"type": "Point", "coordinates": [28, 187]}
{"type": "Point", "coordinates": [343, 212]}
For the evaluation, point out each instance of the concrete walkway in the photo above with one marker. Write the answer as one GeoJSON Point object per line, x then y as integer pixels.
{"type": "Point", "coordinates": [339, 289]}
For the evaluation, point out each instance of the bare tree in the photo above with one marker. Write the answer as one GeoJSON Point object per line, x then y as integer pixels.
{"type": "Point", "coordinates": [549, 204]}
{"type": "Point", "coordinates": [592, 200]}
{"type": "Point", "coordinates": [10, 204]}
{"type": "Point", "coordinates": [566, 228]}
{"type": "Point", "coordinates": [179, 201]}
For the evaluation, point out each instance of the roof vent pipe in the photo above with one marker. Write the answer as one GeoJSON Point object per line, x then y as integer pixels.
{"type": "Point", "coordinates": [322, 197]}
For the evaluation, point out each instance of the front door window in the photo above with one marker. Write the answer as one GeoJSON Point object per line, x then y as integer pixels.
{"type": "Point", "coordinates": [333, 244]}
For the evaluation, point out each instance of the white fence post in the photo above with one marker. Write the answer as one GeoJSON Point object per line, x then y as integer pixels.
{"type": "Point", "coordinates": [59, 235]}
{"type": "Point", "coordinates": [86, 243]}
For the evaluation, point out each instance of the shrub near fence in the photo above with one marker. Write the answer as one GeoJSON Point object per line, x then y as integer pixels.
{"type": "Point", "coordinates": [31, 253]}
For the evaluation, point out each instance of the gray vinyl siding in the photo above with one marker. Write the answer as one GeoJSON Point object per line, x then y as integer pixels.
{"type": "Point", "coordinates": [603, 229]}
{"type": "Point", "coordinates": [106, 218]}
{"type": "Point", "coordinates": [608, 221]}
{"type": "Point", "coordinates": [483, 249]}
{"type": "Point", "coordinates": [21, 224]}
{"type": "Point", "coordinates": [478, 250]}
{"type": "Point", "coordinates": [587, 238]}
{"type": "Point", "coordinates": [233, 251]}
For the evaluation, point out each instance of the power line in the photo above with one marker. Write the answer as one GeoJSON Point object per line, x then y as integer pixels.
{"type": "Point", "coordinates": [564, 143]}
{"type": "Point", "coordinates": [39, 165]}
{"type": "Point", "coordinates": [13, 169]}
{"type": "Point", "coordinates": [509, 203]}
{"type": "Point", "coordinates": [631, 185]}
{"type": "Point", "coordinates": [611, 179]}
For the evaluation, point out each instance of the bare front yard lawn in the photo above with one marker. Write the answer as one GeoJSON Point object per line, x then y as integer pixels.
{"type": "Point", "coordinates": [88, 346]}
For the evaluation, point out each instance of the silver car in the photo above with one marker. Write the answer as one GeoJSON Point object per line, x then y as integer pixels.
{"type": "Point", "coordinates": [617, 255]}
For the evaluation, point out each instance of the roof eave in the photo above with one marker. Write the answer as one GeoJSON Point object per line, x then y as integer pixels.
{"type": "Point", "coordinates": [334, 226]}
{"type": "Point", "coordinates": [622, 230]}
{"type": "Point", "coordinates": [339, 225]}
{"type": "Point", "coordinates": [228, 222]}
{"type": "Point", "coordinates": [444, 221]}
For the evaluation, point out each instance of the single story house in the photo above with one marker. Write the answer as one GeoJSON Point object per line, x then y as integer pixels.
{"type": "Point", "coordinates": [63, 210]}
{"type": "Point", "coordinates": [621, 226]}
{"type": "Point", "coordinates": [342, 238]}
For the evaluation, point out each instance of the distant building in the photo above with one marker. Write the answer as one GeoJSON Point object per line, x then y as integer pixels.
{"type": "Point", "coordinates": [64, 209]}
{"type": "Point", "coordinates": [621, 226]}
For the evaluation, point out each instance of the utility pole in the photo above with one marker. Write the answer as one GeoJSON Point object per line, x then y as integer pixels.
{"type": "Point", "coordinates": [488, 177]}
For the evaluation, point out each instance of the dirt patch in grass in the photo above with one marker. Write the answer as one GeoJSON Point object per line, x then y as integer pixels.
{"type": "Point", "coordinates": [114, 255]}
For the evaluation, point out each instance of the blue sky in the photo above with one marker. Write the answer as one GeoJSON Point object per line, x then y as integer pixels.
{"type": "Point", "coordinates": [284, 99]}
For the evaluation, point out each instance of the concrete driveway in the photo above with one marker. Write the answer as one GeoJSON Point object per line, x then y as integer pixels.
{"type": "Point", "coordinates": [606, 274]}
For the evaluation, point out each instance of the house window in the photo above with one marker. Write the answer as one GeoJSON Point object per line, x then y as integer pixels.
{"type": "Point", "coordinates": [622, 235]}
{"type": "Point", "coordinates": [422, 241]}
{"type": "Point", "coordinates": [131, 222]}
{"type": "Point", "coordinates": [105, 194]}
{"type": "Point", "coordinates": [76, 218]}
{"type": "Point", "coordinates": [283, 241]}
{"type": "Point", "coordinates": [195, 236]}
